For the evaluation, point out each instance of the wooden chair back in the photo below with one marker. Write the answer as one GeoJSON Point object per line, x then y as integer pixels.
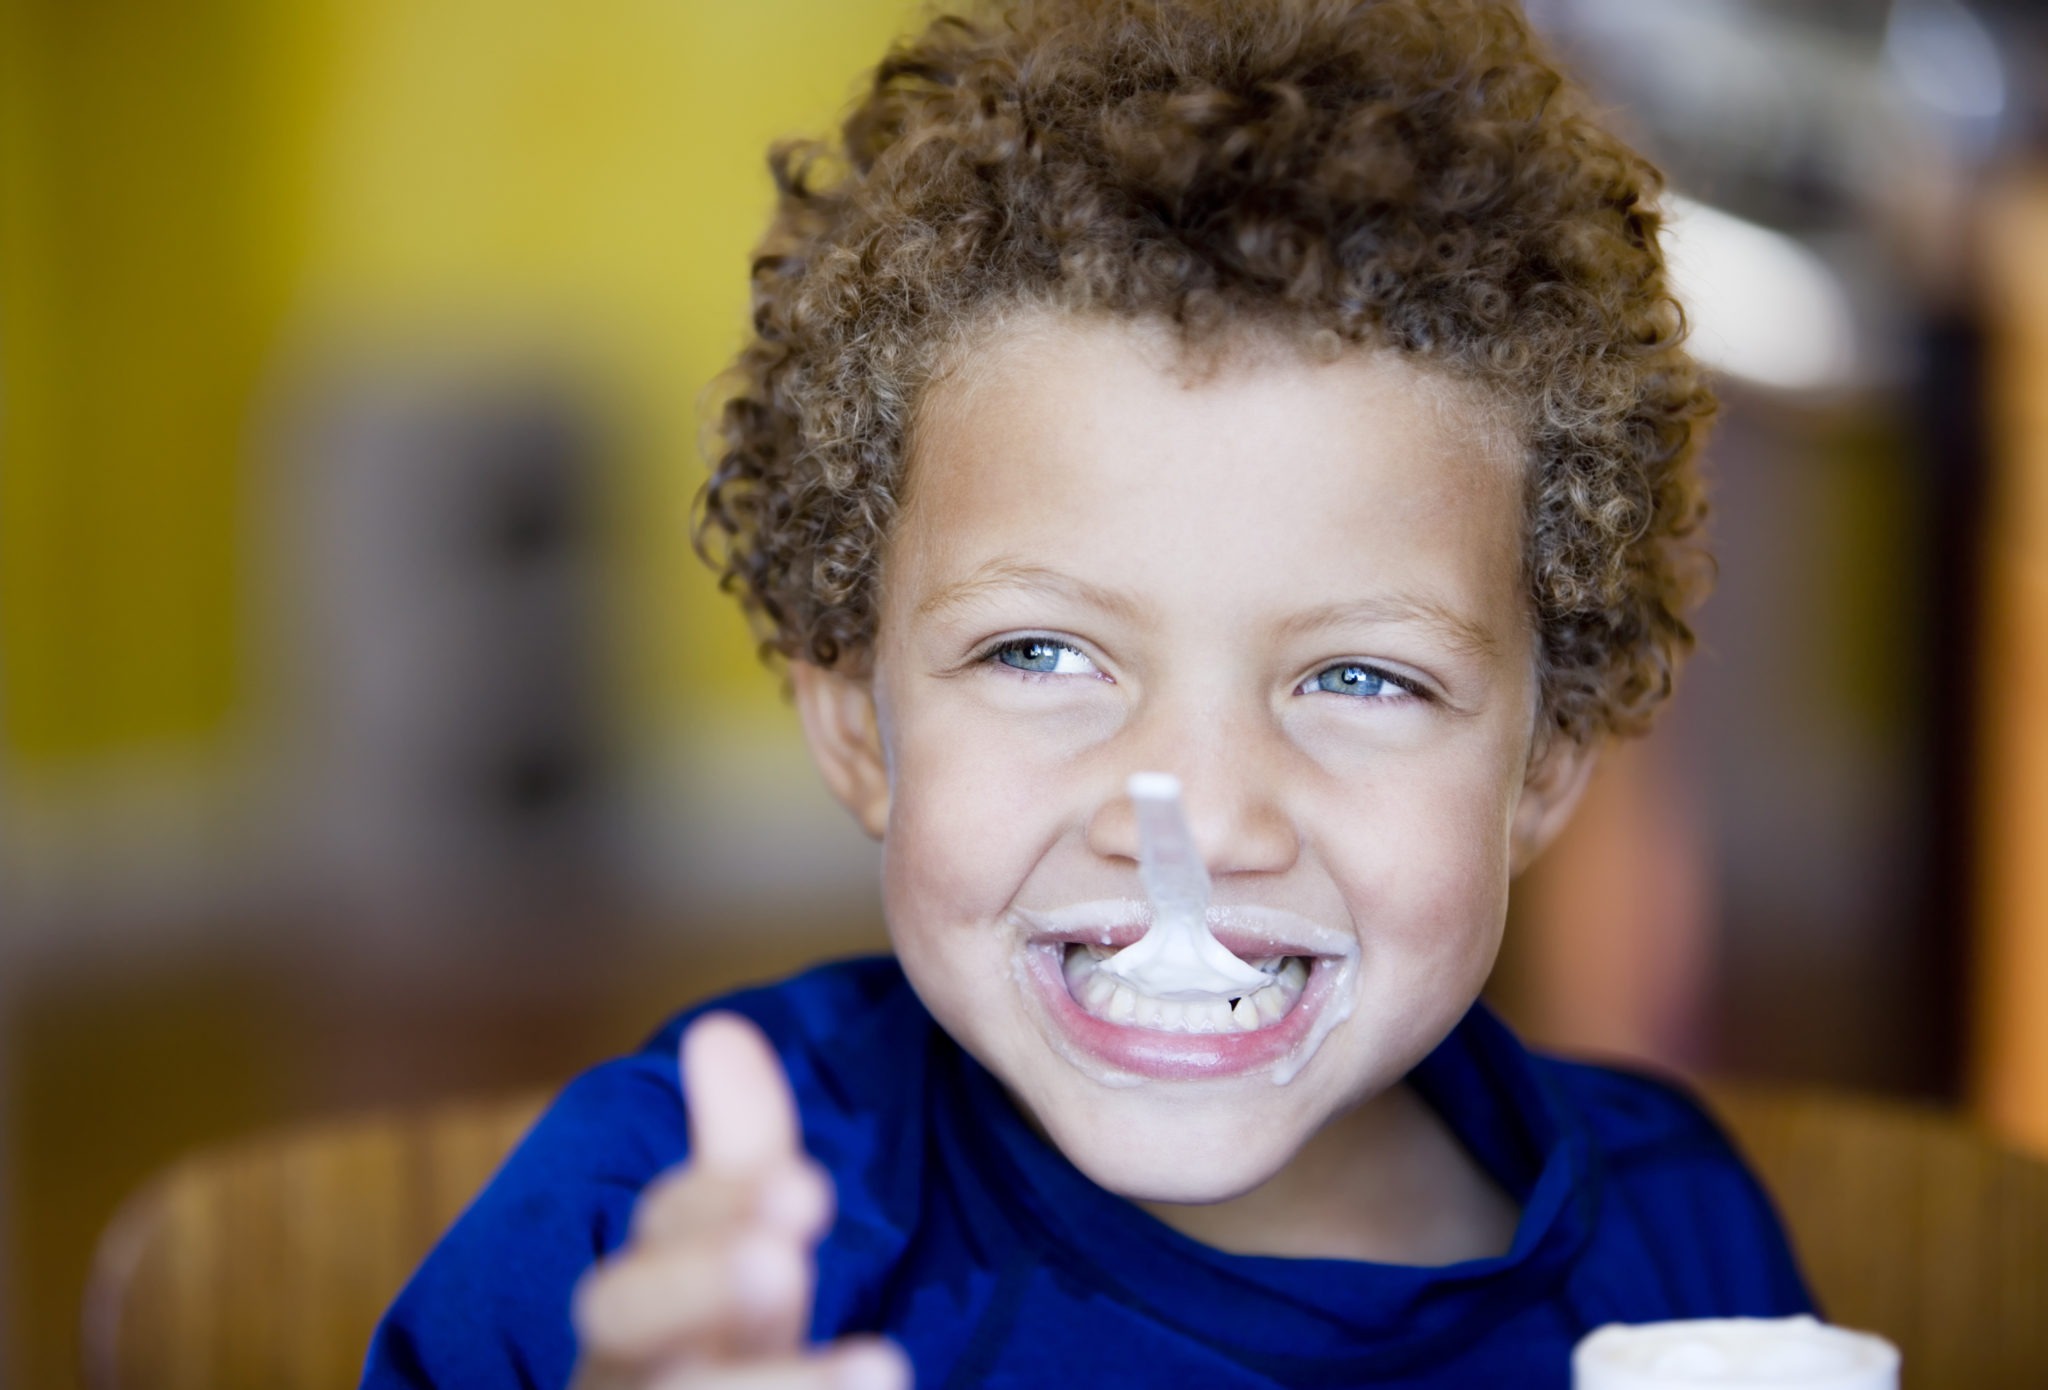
{"type": "Point", "coordinates": [267, 1263]}
{"type": "Point", "coordinates": [1909, 1223]}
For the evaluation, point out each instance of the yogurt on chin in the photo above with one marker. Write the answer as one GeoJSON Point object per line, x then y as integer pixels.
{"type": "Point", "coordinates": [1753, 1353]}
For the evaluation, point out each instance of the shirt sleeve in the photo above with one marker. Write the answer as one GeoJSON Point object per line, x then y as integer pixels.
{"type": "Point", "coordinates": [490, 1305]}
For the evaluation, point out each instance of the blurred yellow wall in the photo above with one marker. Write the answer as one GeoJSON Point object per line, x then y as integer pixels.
{"type": "Point", "coordinates": [192, 195]}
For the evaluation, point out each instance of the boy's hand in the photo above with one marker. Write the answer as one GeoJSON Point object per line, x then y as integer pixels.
{"type": "Point", "coordinates": [713, 1289]}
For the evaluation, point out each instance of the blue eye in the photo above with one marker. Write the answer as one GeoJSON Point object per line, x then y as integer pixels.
{"type": "Point", "coordinates": [1042, 656]}
{"type": "Point", "coordinates": [1353, 678]}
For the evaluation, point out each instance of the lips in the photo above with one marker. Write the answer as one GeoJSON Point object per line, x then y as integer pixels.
{"type": "Point", "coordinates": [1140, 1037]}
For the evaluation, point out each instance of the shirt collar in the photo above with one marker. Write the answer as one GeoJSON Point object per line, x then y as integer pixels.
{"type": "Point", "coordinates": [1296, 1314]}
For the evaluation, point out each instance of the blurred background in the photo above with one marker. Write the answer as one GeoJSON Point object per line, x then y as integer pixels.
{"type": "Point", "coordinates": [368, 734]}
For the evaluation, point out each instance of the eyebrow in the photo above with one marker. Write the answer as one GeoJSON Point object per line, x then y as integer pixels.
{"type": "Point", "coordinates": [1463, 634]}
{"type": "Point", "coordinates": [1012, 574]}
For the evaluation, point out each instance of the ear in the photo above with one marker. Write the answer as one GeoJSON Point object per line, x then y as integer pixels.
{"type": "Point", "coordinates": [838, 713]}
{"type": "Point", "coordinates": [1550, 793]}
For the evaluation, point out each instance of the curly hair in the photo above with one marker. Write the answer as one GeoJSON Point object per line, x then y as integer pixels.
{"type": "Point", "coordinates": [1412, 174]}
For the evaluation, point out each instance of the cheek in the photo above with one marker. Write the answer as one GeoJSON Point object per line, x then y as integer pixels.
{"type": "Point", "coordinates": [1429, 876]}
{"type": "Point", "coordinates": [968, 820]}
{"type": "Point", "coordinates": [1454, 912]}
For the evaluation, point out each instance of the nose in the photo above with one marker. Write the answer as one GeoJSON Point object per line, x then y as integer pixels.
{"type": "Point", "coordinates": [1231, 784]}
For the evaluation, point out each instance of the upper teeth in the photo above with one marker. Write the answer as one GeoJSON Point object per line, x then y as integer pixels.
{"type": "Point", "coordinates": [1108, 998]}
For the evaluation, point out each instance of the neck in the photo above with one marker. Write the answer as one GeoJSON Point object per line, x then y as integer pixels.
{"type": "Point", "coordinates": [1386, 1182]}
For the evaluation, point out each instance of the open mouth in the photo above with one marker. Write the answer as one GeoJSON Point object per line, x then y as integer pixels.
{"type": "Point", "coordinates": [1101, 1021]}
{"type": "Point", "coordinates": [1105, 997]}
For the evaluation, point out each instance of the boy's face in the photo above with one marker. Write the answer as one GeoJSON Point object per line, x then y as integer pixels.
{"type": "Point", "coordinates": [1294, 585]}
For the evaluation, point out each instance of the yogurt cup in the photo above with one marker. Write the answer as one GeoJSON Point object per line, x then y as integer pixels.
{"type": "Point", "coordinates": [1753, 1353]}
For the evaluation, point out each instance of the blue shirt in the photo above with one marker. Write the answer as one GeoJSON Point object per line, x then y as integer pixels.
{"type": "Point", "coordinates": [995, 1262]}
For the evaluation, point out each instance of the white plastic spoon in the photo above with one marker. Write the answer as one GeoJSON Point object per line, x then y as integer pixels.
{"type": "Point", "coordinates": [1176, 958]}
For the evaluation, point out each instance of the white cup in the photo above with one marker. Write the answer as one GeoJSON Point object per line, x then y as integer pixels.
{"type": "Point", "coordinates": [1752, 1353]}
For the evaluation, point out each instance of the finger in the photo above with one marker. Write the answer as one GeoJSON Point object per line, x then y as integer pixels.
{"type": "Point", "coordinates": [862, 1363]}
{"type": "Point", "coordinates": [742, 1116]}
{"type": "Point", "coordinates": [793, 1199]}
{"type": "Point", "coordinates": [692, 1202]}
{"type": "Point", "coordinates": [693, 1298]}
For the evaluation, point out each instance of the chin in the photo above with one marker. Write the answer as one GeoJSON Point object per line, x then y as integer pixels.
{"type": "Point", "coordinates": [1164, 1144]}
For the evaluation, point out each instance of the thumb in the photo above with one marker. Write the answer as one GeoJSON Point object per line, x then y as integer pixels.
{"type": "Point", "coordinates": [743, 1117]}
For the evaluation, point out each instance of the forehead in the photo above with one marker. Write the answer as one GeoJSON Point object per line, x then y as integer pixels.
{"type": "Point", "coordinates": [1000, 342]}
{"type": "Point", "coordinates": [1110, 373]}
{"type": "Point", "coordinates": [1109, 448]}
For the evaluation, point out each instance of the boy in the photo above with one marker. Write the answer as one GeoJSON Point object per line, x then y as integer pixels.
{"type": "Point", "coordinates": [1283, 396]}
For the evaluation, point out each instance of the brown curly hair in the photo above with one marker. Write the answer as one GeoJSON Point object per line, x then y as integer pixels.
{"type": "Point", "coordinates": [1408, 173]}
